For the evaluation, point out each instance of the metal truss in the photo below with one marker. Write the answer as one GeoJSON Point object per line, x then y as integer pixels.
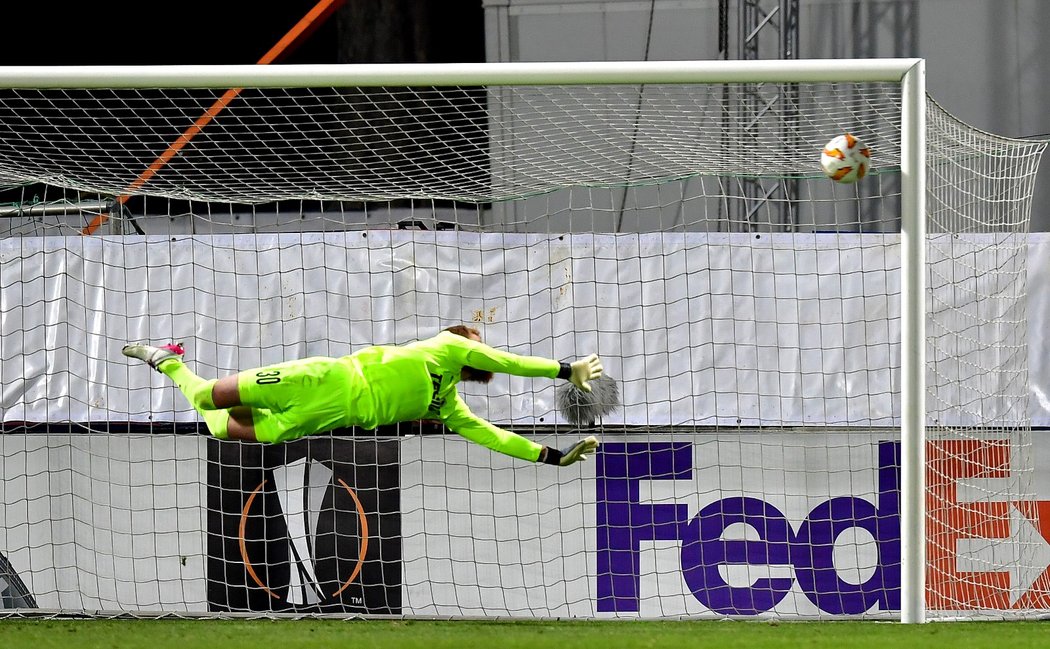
{"type": "Point", "coordinates": [750, 30]}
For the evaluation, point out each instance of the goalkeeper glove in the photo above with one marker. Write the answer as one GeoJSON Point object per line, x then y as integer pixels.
{"type": "Point", "coordinates": [585, 370]}
{"type": "Point", "coordinates": [578, 452]}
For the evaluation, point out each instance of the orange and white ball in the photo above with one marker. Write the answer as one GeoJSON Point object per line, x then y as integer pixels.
{"type": "Point", "coordinates": [845, 159]}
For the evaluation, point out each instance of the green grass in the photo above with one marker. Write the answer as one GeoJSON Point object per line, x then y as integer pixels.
{"type": "Point", "coordinates": [358, 634]}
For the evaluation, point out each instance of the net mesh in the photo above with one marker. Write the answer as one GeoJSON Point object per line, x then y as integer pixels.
{"type": "Point", "coordinates": [748, 307]}
{"type": "Point", "coordinates": [466, 144]}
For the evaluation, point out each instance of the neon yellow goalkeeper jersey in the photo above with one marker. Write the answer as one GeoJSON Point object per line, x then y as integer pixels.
{"type": "Point", "coordinates": [418, 381]}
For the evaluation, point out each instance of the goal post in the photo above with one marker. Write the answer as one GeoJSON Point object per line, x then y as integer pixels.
{"type": "Point", "coordinates": [456, 74]}
{"type": "Point", "coordinates": [670, 216]}
{"type": "Point", "coordinates": [913, 344]}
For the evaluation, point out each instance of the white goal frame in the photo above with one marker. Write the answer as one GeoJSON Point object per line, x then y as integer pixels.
{"type": "Point", "coordinates": [909, 72]}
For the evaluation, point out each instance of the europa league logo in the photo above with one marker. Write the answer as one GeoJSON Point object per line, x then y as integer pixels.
{"type": "Point", "coordinates": [302, 487]}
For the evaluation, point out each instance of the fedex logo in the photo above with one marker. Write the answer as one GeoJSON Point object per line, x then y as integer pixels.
{"type": "Point", "coordinates": [957, 578]}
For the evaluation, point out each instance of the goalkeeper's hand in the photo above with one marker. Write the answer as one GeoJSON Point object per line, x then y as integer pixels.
{"type": "Point", "coordinates": [578, 452]}
{"type": "Point", "coordinates": [584, 371]}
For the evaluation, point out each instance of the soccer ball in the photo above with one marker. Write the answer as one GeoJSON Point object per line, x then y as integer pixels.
{"type": "Point", "coordinates": [845, 159]}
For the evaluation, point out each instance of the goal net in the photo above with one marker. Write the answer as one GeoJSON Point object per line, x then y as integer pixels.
{"type": "Point", "coordinates": [825, 387]}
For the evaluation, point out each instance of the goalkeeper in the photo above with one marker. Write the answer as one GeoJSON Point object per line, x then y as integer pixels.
{"type": "Point", "coordinates": [369, 388]}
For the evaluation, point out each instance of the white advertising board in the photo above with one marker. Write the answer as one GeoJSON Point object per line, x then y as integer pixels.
{"type": "Point", "coordinates": [106, 522]}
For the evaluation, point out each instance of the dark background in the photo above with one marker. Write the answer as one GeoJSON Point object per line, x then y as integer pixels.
{"type": "Point", "coordinates": [228, 32]}
{"type": "Point", "coordinates": [237, 31]}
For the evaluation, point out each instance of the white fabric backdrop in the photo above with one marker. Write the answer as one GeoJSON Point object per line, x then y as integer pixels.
{"type": "Point", "coordinates": [700, 328]}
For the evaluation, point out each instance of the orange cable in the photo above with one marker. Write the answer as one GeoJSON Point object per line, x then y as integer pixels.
{"type": "Point", "coordinates": [302, 29]}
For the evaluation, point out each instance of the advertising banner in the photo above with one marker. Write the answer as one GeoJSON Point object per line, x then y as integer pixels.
{"type": "Point", "coordinates": [308, 526]}
{"type": "Point", "coordinates": [102, 522]}
{"type": "Point", "coordinates": [742, 524]}
{"type": "Point", "coordinates": [756, 537]}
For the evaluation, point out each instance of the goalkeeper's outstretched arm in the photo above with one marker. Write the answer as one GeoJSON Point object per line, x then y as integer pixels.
{"type": "Point", "coordinates": [474, 353]}
{"type": "Point", "coordinates": [457, 416]}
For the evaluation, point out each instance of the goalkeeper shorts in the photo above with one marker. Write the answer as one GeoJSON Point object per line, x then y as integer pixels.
{"type": "Point", "coordinates": [298, 398]}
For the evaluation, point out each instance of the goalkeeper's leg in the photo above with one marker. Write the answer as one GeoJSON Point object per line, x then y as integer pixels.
{"type": "Point", "coordinates": [276, 403]}
{"type": "Point", "coordinates": [217, 400]}
{"type": "Point", "coordinates": [286, 401]}
{"type": "Point", "coordinates": [167, 360]}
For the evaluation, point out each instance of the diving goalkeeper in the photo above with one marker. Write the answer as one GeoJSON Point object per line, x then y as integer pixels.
{"type": "Point", "coordinates": [375, 386]}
